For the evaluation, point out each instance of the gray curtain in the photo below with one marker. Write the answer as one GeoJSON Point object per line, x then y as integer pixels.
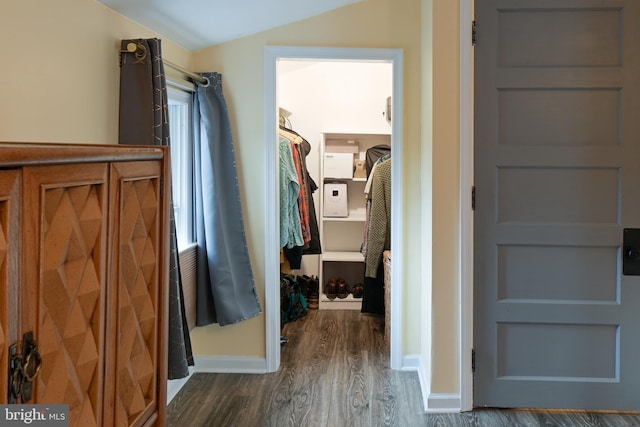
{"type": "Point", "coordinates": [144, 121]}
{"type": "Point", "coordinates": [226, 287]}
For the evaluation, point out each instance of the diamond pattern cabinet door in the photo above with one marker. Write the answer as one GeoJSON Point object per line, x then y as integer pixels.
{"type": "Point", "coordinates": [138, 313]}
{"type": "Point", "coordinates": [63, 295]}
{"type": "Point", "coordinates": [9, 270]}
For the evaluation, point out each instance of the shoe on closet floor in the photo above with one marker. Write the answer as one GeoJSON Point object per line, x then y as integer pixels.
{"type": "Point", "coordinates": [313, 302]}
{"type": "Point", "coordinates": [342, 289]}
{"type": "Point", "coordinates": [314, 289]}
{"type": "Point", "coordinates": [330, 289]}
{"type": "Point", "coordinates": [305, 285]}
{"type": "Point", "coordinates": [357, 290]}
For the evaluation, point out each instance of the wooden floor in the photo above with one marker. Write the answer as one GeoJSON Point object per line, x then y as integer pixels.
{"type": "Point", "coordinates": [334, 372]}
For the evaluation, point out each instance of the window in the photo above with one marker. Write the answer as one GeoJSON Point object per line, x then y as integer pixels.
{"type": "Point", "coordinates": [180, 125]}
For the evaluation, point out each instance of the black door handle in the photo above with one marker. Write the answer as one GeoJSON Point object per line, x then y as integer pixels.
{"type": "Point", "coordinates": [631, 252]}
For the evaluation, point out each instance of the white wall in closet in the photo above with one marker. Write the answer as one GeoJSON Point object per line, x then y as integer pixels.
{"type": "Point", "coordinates": [333, 96]}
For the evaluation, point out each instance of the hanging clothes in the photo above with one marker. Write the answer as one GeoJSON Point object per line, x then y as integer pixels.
{"type": "Point", "coordinates": [373, 154]}
{"type": "Point", "coordinates": [379, 234]}
{"type": "Point", "coordinates": [313, 247]}
{"type": "Point", "coordinates": [290, 229]}
{"type": "Point", "coordinates": [373, 293]}
{"type": "Point", "coordinates": [300, 149]}
{"type": "Point", "coordinates": [367, 195]}
{"type": "Point", "coordinates": [303, 198]}
{"type": "Point", "coordinates": [378, 238]}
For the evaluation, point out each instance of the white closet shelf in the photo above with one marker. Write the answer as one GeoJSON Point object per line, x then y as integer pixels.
{"type": "Point", "coordinates": [342, 236]}
{"type": "Point", "coordinates": [343, 256]}
{"type": "Point", "coordinates": [348, 303]}
{"type": "Point", "coordinates": [326, 178]}
{"type": "Point", "coordinates": [350, 218]}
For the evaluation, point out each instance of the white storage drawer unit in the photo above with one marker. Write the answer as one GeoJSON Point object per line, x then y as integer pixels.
{"type": "Point", "coordinates": [335, 200]}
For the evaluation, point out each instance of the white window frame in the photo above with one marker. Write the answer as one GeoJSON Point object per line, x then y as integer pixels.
{"type": "Point", "coordinates": [182, 162]}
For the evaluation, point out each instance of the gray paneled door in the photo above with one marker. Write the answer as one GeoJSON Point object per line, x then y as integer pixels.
{"type": "Point", "coordinates": [557, 164]}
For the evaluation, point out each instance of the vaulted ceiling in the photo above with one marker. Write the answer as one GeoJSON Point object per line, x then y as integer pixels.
{"type": "Point", "coordinates": [196, 24]}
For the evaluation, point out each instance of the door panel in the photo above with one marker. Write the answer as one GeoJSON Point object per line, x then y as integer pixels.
{"type": "Point", "coordinates": [9, 270]}
{"type": "Point", "coordinates": [571, 34]}
{"type": "Point", "coordinates": [64, 300]}
{"type": "Point", "coordinates": [137, 268]}
{"type": "Point", "coordinates": [561, 273]}
{"type": "Point", "coordinates": [557, 172]}
{"type": "Point", "coordinates": [572, 117]}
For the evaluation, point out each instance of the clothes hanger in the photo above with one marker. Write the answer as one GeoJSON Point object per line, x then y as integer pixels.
{"type": "Point", "coordinates": [290, 135]}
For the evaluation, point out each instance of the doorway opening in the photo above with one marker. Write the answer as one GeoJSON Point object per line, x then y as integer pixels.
{"type": "Point", "coordinates": [291, 58]}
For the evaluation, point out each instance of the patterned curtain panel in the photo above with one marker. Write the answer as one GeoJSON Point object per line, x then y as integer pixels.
{"type": "Point", "coordinates": [144, 121]}
{"type": "Point", "coordinates": [226, 287]}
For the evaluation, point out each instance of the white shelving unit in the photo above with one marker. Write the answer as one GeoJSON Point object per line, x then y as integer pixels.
{"type": "Point", "coordinates": [342, 237]}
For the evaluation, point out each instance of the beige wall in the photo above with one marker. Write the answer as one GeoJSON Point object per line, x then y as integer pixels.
{"type": "Point", "coordinates": [426, 165]}
{"type": "Point", "coordinates": [371, 24]}
{"type": "Point", "coordinates": [59, 80]}
{"type": "Point", "coordinates": [446, 183]}
{"type": "Point", "coordinates": [431, 159]}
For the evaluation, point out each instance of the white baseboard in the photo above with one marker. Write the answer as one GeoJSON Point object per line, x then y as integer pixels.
{"type": "Point", "coordinates": [231, 364]}
{"type": "Point", "coordinates": [434, 402]}
{"type": "Point", "coordinates": [174, 386]}
{"type": "Point", "coordinates": [410, 362]}
{"type": "Point", "coordinates": [443, 403]}
{"type": "Point", "coordinates": [425, 386]}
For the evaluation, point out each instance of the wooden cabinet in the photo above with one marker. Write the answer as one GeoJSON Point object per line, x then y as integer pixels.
{"type": "Point", "coordinates": [84, 266]}
{"type": "Point", "coordinates": [10, 244]}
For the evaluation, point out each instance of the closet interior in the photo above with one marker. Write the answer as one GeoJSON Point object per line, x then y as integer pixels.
{"type": "Point", "coordinates": [335, 185]}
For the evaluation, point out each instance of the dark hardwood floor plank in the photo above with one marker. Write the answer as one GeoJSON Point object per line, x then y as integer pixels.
{"type": "Point", "coordinates": [619, 420]}
{"type": "Point", "coordinates": [256, 390]}
{"type": "Point", "coordinates": [306, 395]}
{"type": "Point", "coordinates": [312, 389]}
{"type": "Point", "coordinates": [378, 343]}
{"type": "Point", "coordinates": [334, 372]}
{"type": "Point", "coordinates": [230, 413]}
{"type": "Point", "coordinates": [351, 390]}
{"type": "Point", "coordinates": [280, 398]}
{"type": "Point", "coordinates": [314, 339]}
{"type": "Point", "coordinates": [355, 333]}
{"type": "Point", "coordinates": [186, 404]}
{"type": "Point", "coordinates": [197, 412]}
{"type": "Point", "coordinates": [292, 346]}
{"type": "Point", "coordinates": [334, 394]}
{"type": "Point", "coordinates": [409, 403]}
{"type": "Point", "coordinates": [384, 397]}
{"type": "Point", "coordinates": [568, 419]}
{"type": "Point", "coordinates": [319, 337]}
{"type": "Point", "coordinates": [450, 420]}
{"type": "Point", "coordinates": [505, 418]}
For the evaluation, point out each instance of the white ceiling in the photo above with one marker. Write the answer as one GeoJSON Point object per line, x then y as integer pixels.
{"type": "Point", "coordinates": [196, 24]}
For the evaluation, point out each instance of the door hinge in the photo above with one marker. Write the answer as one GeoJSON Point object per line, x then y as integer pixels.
{"type": "Point", "coordinates": [473, 198]}
{"type": "Point", "coordinates": [473, 361]}
{"type": "Point", "coordinates": [473, 33]}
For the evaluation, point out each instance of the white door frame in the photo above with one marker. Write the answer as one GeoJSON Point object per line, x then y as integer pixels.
{"type": "Point", "coordinates": [272, 227]}
{"type": "Point", "coordinates": [466, 212]}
